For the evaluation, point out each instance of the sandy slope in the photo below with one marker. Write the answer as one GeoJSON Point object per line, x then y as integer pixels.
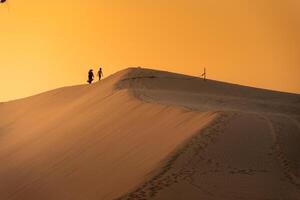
{"type": "Point", "coordinates": [144, 134]}
{"type": "Point", "coordinates": [86, 142]}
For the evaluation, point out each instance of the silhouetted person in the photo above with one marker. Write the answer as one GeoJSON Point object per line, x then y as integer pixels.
{"type": "Point", "coordinates": [100, 73]}
{"type": "Point", "coordinates": [91, 76]}
{"type": "Point", "coordinates": [204, 74]}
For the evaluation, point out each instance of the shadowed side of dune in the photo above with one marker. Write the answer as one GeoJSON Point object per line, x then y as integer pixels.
{"type": "Point", "coordinates": [194, 93]}
{"type": "Point", "coordinates": [238, 156]}
{"type": "Point", "coordinates": [251, 151]}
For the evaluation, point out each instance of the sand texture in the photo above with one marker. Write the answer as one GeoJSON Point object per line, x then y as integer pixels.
{"type": "Point", "coordinates": [147, 134]}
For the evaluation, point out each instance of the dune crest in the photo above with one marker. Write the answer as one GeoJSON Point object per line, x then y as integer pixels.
{"type": "Point", "coordinates": [147, 134]}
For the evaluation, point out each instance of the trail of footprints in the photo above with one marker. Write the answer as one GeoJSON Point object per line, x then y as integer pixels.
{"type": "Point", "coordinates": [176, 169]}
{"type": "Point", "coordinates": [179, 168]}
{"type": "Point", "coordinates": [288, 166]}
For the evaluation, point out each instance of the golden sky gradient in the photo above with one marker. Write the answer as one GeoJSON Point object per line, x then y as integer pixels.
{"type": "Point", "coordinates": [49, 44]}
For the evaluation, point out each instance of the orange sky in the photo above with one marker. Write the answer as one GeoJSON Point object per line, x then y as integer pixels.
{"type": "Point", "coordinates": [49, 44]}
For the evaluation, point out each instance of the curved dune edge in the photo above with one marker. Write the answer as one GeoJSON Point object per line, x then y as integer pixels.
{"type": "Point", "coordinates": [157, 134]}
{"type": "Point", "coordinates": [264, 164]}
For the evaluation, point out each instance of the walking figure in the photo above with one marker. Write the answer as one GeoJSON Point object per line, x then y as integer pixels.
{"type": "Point", "coordinates": [100, 73]}
{"type": "Point", "coordinates": [204, 74]}
{"type": "Point", "coordinates": [90, 76]}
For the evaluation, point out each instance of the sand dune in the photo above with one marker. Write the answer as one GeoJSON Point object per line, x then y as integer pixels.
{"type": "Point", "coordinates": [146, 134]}
{"type": "Point", "coordinates": [192, 92]}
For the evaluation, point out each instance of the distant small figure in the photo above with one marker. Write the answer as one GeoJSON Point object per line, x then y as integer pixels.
{"type": "Point", "coordinates": [100, 73]}
{"type": "Point", "coordinates": [204, 74]}
{"type": "Point", "coordinates": [90, 76]}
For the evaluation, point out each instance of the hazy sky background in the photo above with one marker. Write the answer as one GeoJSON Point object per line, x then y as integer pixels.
{"type": "Point", "coordinates": [49, 44]}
